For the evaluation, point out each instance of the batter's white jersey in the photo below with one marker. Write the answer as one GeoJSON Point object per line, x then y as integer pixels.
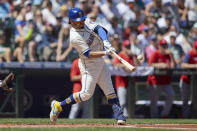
{"type": "Point", "coordinates": [85, 39]}
{"type": "Point", "coordinates": [94, 70]}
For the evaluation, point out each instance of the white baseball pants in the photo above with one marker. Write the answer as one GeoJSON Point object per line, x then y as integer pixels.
{"type": "Point", "coordinates": [94, 72]}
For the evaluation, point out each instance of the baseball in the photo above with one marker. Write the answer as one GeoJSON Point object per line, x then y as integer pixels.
{"type": "Point", "coordinates": [140, 57]}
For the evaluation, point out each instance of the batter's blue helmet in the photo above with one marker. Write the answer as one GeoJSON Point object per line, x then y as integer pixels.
{"type": "Point", "coordinates": [76, 14]}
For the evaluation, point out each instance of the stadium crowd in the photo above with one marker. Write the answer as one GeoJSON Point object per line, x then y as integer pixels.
{"type": "Point", "coordinates": [38, 30]}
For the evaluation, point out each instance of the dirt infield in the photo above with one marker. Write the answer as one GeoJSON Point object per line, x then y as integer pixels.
{"type": "Point", "coordinates": [155, 126]}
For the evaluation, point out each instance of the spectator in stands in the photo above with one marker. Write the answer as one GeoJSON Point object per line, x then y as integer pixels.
{"type": "Point", "coordinates": [4, 9]}
{"type": "Point", "coordinates": [153, 7]}
{"type": "Point", "coordinates": [163, 22]}
{"type": "Point", "coordinates": [31, 40]}
{"type": "Point", "coordinates": [192, 36]}
{"type": "Point", "coordinates": [190, 61]}
{"type": "Point", "coordinates": [37, 36]}
{"type": "Point", "coordinates": [152, 47]}
{"type": "Point", "coordinates": [172, 11]}
{"type": "Point", "coordinates": [152, 21]}
{"type": "Point", "coordinates": [109, 10]}
{"type": "Point", "coordinates": [29, 11]}
{"type": "Point", "coordinates": [190, 12]}
{"type": "Point", "coordinates": [130, 29]}
{"type": "Point", "coordinates": [31, 30]}
{"type": "Point", "coordinates": [64, 13]}
{"type": "Point", "coordinates": [163, 59]}
{"type": "Point", "coordinates": [116, 27]}
{"type": "Point", "coordinates": [21, 35]}
{"type": "Point", "coordinates": [44, 4]}
{"type": "Point", "coordinates": [93, 16]}
{"type": "Point", "coordinates": [180, 5]}
{"type": "Point", "coordinates": [143, 35]}
{"type": "Point", "coordinates": [47, 14]}
{"type": "Point", "coordinates": [55, 6]}
{"type": "Point", "coordinates": [63, 44]}
{"type": "Point", "coordinates": [5, 52]}
{"type": "Point", "coordinates": [136, 47]}
{"type": "Point", "coordinates": [152, 29]}
{"type": "Point", "coordinates": [91, 3]}
{"type": "Point", "coordinates": [125, 9]}
{"type": "Point", "coordinates": [58, 25]}
{"type": "Point", "coordinates": [48, 45]}
{"type": "Point", "coordinates": [76, 79]}
{"type": "Point", "coordinates": [70, 4]}
{"type": "Point", "coordinates": [83, 4]}
{"type": "Point", "coordinates": [180, 38]}
{"type": "Point", "coordinates": [121, 83]}
{"type": "Point", "coordinates": [176, 50]}
{"type": "Point", "coordinates": [37, 4]}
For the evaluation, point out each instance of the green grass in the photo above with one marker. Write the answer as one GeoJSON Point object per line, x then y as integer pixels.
{"type": "Point", "coordinates": [82, 129]}
{"type": "Point", "coordinates": [90, 121]}
{"type": "Point", "coordinates": [93, 121]}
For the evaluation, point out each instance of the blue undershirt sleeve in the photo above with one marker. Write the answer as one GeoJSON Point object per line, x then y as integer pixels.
{"type": "Point", "coordinates": [101, 32]}
{"type": "Point", "coordinates": [87, 53]}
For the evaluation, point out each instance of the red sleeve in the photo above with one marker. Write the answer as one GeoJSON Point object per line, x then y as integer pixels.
{"type": "Point", "coordinates": [152, 58]}
{"type": "Point", "coordinates": [74, 70]}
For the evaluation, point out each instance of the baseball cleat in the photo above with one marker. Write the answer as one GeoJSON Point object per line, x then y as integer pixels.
{"type": "Point", "coordinates": [55, 110]}
{"type": "Point", "coordinates": [118, 114]}
{"type": "Point", "coordinates": [121, 122]}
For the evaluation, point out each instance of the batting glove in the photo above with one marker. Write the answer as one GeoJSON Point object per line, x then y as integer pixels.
{"type": "Point", "coordinates": [107, 44]}
{"type": "Point", "coordinates": [109, 51]}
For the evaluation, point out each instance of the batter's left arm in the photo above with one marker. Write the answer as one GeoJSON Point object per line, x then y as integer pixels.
{"type": "Point", "coordinates": [102, 33]}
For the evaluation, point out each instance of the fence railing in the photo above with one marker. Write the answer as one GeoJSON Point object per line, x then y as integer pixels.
{"type": "Point", "coordinates": [61, 68]}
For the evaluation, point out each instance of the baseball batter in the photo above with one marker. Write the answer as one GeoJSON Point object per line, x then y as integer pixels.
{"type": "Point", "coordinates": [87, 38]}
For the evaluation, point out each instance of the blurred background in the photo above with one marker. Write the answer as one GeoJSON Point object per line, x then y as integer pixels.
{"type": "Point", "coordinates": [34, 45]}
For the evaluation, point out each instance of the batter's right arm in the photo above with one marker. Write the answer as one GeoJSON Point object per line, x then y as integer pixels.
{"type": "Point", "coordinates": [83, 49]}
{"type": "Point", "coordinates": [96, 54]}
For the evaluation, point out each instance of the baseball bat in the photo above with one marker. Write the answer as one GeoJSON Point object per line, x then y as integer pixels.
{"type": "Point", "coordinates": [129, 66]}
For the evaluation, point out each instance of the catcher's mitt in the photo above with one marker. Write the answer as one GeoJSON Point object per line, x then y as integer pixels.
{"type": "Point", "coordinates": [3, 83]}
